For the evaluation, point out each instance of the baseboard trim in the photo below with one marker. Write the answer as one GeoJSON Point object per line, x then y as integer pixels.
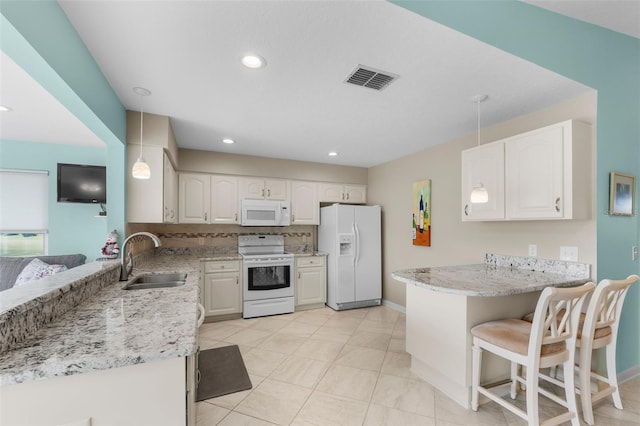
{"type": "Point", "coordinates": [629, 374]}
{"type": "Point", "coordinates": [394, 306]}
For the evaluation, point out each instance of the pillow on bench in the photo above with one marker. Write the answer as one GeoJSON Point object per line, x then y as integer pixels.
{"type": "Point", "coordinates": [11, 267]}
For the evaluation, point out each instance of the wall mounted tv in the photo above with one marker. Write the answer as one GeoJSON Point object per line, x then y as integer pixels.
{"type": "Point", "coordinates": [79, 183]}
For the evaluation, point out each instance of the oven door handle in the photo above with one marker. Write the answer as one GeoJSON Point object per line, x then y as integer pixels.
{"type": "Point", "coordinates": [264, 263]}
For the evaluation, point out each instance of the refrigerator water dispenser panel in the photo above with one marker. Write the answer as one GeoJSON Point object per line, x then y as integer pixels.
{"type": "Point", "coordinates": [346, 244]}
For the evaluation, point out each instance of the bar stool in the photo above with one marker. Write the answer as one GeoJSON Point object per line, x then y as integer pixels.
{"type": "Point", "coordinates": [601, 331]}
{"type": "Point", "coordinates": [598, 328]}
{"type": "Point", "coordinates": [543, 343]}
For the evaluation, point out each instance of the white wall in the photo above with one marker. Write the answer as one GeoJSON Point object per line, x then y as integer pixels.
{"type": "Point", "coordinates": [457, 242]}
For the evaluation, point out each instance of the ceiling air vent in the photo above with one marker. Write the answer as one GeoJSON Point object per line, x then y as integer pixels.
{"type": "Point", "coordinates": [370, 77]}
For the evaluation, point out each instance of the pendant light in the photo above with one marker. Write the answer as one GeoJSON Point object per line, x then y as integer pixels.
{"type": "Point", "coordinates": [140, 168]}
{"type": "Point", "coordinates": [479, 194]}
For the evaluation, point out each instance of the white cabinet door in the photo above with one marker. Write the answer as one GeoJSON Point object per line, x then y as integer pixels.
{"type": "Point", "coordinates": [170, 192]}
{"type": "Point", "coordinates": [535, 174]}
{"type": "Point", "coordinates": [356, 194]}
{"type": "Point", "coordinates": [331, 192]}
{"type": "Point", "coordinates": [342, 193]}
{"type": "Point", "coordinates": [222, 293]}
{"type": "Point", "coordinates": [252, 188]}
{"type": "Point", "coordinates": [305, 208]}
{"type": "Point", "coordinates": [483, 164]}
{"type": "Point", "coordinates": [224, 199]}
{"type": "Point", "coordinates": [264, 189]}
{"type": "Point", "coordinates": [222, 287]}
{"type": "Point", "coordinates": [276, 189]}
{"type": "Point", "coordinates": [194, 198]}
{"type": "Point", "coordinates": [311, 282]}
{"type": "Point", "coordinates": [145, 196]}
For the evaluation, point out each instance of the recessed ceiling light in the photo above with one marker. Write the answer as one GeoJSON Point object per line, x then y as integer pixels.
{"type": "Point", "coordinates": [5, 108]}
{"type": "Point", "coordinates": [254, 61]}
{"type": "Point", "coordinates": [228, 141]}
{"type": "Point", "coordinates": [333, 154]}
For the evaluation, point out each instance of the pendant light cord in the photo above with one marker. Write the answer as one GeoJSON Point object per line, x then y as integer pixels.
{"type": "Point", "coordinates": [141, 121]}
{"type": "Point", "coordinates": [478, 104]}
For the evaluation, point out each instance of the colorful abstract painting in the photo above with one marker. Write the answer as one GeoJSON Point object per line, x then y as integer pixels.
{"type": "Point", "coordinates": [421, 221]}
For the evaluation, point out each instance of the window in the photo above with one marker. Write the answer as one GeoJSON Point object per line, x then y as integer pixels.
{"type": "Point", "coordinates": [24, 212]}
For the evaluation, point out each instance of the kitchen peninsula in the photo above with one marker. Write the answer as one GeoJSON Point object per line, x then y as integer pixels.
{"type": "Point", "coordinates": [443, 303]}
{"type": "Point", "coordinates": [117, 356]}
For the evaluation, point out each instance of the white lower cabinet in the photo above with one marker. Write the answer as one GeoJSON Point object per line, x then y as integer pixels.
{"type": "Point", "coordinates": [221, 287]}
{"type": "Point", "coordinates": [150, 393]}
{"type": "Point", "coordinates": [311, 282]}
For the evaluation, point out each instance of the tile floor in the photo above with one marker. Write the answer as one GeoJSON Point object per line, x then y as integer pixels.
{"type": "Point", "coordinates": [321, 367]}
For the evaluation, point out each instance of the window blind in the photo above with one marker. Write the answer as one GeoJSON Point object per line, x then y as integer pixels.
{"type": "Point", "coordinates": [24, 200]}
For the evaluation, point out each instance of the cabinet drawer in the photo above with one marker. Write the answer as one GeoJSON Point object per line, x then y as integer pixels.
{"type": "Point", "coordinates": [308, 261]}
{"type": "Point", "coordinates": [221, 266]}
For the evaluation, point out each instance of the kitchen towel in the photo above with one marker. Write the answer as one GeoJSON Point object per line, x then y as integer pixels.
{"type": "Point", "coordinates": [222, 371]}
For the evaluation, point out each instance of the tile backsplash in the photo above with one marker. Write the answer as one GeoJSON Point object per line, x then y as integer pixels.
{"type": "Point", "coordinates": [224, 238]}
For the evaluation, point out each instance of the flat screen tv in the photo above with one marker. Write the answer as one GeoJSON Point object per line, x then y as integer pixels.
{"type": "Point", "coordinates": [79, 183]}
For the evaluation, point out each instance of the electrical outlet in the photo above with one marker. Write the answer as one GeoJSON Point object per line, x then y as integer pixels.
{"type": "Point", "coordinates": [533, 250]}
{"type": "Point", "coordinates": [634, 252]}
{"type": "Point", "coordinates": [201, 241]}
{"type": "Point", "coordinates": [569, 253]}
{"type": "Point", "coordinates": [304, 238]}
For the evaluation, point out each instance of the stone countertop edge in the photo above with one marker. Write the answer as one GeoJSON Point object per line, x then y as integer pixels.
{"type": "Point", "coordinates": [113, 328]}
{"type": "Point", "coordinates": [515, 276]}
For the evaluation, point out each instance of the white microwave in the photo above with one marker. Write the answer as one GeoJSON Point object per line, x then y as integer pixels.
{"type": "Point", "coordinates": [265, 213]}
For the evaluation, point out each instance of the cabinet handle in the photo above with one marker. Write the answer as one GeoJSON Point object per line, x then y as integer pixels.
{"type": "Point", "coordinates": [236, 280]}
{"type": "Point", "coordinates": [298, 274]}
{"type": "Point", "coordinates": [173, 214]}
{"type": "Point", "coordinates": [262, 192]}
{"type": "Point", "coordinates": [236, 217]}
{"type": "Point", "coordinates": [205, 217]}
{"type": "Point", "coordinates": [343, 195]}
{"type": "Point", "coordinates": [466, 209]}
{"type": "Point", "coordinates": [558, 204]}
{"type": "Point", "coordinates": [268, 193]}
{"type": "Point", "coordinates": [347, 195]}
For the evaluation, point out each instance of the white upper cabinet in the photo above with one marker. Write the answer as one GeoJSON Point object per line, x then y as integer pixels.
{"type": "Point", "coordinates": [305, 208]}
{"type": "Point", "coordinates": [145, 197]}
{"type": "Point", "coordinates": [535, 167]}
{"type": "Point", "coordinates": [152, 200]}
{"type": "Point", "coordinates": [483, 165]}
{"type": "Point", "coordinates": [170, 192]}
{"type": "Point", "coordinates": [224, 199]}
{"type": "Point", "coordinates": [547, 174]}
{"type": "Point", "coordinates": [194, 197]}
{"type": "Point", "coordinates": [342, 193]}
{"type": "Point", "coordinates": [264, 189]}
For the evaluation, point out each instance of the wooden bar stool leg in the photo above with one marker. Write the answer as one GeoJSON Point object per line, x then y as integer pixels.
{"type": "Point", "coordinates": [612, 375]}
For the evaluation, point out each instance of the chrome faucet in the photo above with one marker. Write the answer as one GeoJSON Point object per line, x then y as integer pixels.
{"type": "Point", "coordinates": [126, 263]}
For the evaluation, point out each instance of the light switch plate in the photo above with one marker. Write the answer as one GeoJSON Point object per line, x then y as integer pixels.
{"type": "Point", "coordinates": [533, 250]}
{"type": "Point", "coordinates": [569, 253]}
{"type": "Point", "coordinates": [634, 252]}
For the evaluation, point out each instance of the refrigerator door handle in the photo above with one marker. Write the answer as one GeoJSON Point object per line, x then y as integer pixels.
{"type": "Point", "coordinates": [357, 255]}
{"type": "Point", "coordinates": [355, 243]}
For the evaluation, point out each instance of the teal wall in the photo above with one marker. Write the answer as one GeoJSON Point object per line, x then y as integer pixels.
{"type": "Point", "coordinates": [602, 59]}
{"type": "Point", "coordinates": [38, 36]}
{"type": "Point", "coordinates": [67, 221]}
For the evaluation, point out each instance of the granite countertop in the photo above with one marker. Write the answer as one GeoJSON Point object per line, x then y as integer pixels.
{"type": "Point", "coordinates": [114, 328]}
{"type": "Point", "coordinates": [507, 276]}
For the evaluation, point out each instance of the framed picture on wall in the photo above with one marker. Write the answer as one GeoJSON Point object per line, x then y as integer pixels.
{"type": "Point", "coordinates": [622, 194]}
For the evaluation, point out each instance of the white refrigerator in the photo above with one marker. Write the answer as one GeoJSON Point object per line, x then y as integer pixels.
{"type": "Point", "coordinates": [351, 236]}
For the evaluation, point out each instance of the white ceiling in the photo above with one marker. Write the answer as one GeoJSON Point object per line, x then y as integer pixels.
{"type": "Point", "coordinates": [187, 53]}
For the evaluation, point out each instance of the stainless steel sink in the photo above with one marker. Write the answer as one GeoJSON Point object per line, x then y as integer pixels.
{"type": "Point", "coordinates": [149, 281]}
